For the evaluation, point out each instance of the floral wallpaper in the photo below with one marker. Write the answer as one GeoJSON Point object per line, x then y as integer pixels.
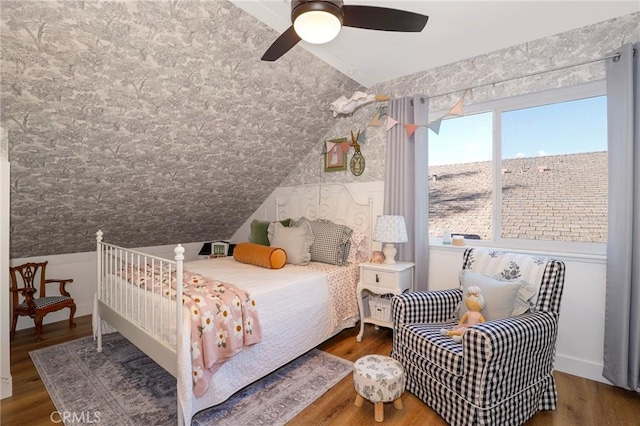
{"type": "Point", "coordinates": [154, 121]}
{"type": "Point", "coordinates": [572, 47]}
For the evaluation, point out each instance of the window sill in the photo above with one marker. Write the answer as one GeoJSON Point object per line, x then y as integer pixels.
{"type": "Point", "coordinates": [597, 256]}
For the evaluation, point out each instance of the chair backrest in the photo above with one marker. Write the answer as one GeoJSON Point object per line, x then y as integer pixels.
{"type": "Point", "coordinates": [545, 273]}
{"type": "Point", "coordinates": [30, 275]}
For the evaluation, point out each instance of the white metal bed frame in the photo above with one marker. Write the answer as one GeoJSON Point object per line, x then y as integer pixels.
{"type": "Point", "coordinates": [330, 201]}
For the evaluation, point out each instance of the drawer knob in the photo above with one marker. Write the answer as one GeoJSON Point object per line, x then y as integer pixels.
{"type": "Point", "coordinates": [377, 278]}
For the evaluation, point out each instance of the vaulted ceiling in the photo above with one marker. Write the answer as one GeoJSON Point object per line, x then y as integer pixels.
{"type": "Point", "coordinates": [156, 121]}
{"type": "Point", "coordinates": [456, 30]}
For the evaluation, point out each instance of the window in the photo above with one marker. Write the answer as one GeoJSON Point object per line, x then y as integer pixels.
{"type": "Point", "coordinates": [529, 171]}
{"type": "Point", "coordinates": [460, 184]}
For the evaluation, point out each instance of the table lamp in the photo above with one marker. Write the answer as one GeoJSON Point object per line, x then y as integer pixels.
{"type": "Point", "coordinates": [390, 229]}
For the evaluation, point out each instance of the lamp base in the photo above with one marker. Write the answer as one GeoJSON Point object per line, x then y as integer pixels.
{"type": "Point", "coordinates": [389, 251]}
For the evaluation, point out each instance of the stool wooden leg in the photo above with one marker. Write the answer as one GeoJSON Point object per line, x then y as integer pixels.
{"type": "Point", "coordinates": [359, 400]}
{"type": "Point", "coordinates": [379, 412]}
{"type": "Point", "coordinates": [398, 403]}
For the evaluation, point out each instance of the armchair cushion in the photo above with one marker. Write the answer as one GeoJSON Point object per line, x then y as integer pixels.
{"type": "Point", "coordinates": [503, 299]}
{"type": "Point", "coordinates": [42, 302]}
{"type": "Point", "coordinates": [425, 342]}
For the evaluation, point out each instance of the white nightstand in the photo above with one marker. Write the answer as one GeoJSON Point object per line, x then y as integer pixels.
{"type": "Point", "coordinates": [378, 279]}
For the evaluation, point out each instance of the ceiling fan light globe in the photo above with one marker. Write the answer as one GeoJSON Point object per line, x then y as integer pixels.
{"type": "Point", "coordinates": [317, 26]}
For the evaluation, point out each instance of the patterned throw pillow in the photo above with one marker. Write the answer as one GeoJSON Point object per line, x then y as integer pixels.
{"type": "Point", "coordinates": [331, 241]}
{"type": "Point", "coordinates": [359, 250]}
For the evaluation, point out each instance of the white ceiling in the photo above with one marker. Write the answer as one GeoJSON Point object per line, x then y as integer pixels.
{"type": "Point", "coordinates": [456, 30]}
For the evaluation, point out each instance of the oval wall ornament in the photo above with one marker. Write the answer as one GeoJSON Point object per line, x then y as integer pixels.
{"type": "Point", "coordinates": [357, 164]}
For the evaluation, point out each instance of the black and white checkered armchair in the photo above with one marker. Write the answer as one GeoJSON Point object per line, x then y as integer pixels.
{"type": "Point", "coordinates": [501, 372]}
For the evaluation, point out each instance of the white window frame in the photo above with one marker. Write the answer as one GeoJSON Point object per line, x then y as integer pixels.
{"type": "Point", "coordinates": [497, 107]}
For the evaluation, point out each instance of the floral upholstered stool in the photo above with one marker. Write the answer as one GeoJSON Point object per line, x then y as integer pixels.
{"type": "Point", "coordinates": [379, 379]}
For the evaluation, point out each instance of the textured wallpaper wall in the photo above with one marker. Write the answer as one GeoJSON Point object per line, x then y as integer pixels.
{"type": "Point", "coordinates": [157, 122]}
{"type": "Point", "coordinates": [154, 121]}
{"type": "Point", "coordinates": [572, 47]}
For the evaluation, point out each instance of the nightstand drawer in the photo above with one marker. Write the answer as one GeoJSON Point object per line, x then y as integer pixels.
{"type": "Point", "coordinates": [380, 278]}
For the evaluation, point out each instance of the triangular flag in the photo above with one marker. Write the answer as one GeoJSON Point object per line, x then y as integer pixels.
{"type": "Point", "coordinates": [391, 122]}
{"type": "Point", "coordinates": [330, 146]}
{"type": "Point", "coordinates": [345, 146]}
{"type": "Point", "coordinates": [324, 149]}
{"type": "Point", "coordinates": [361, 137]}
{"type": "Point", "coordinates": [435, 125]}
{"type": "Point", "coordinates": [382, 111]}
{"type": "Point", "coordinates": [458, 108]}
{"type": "Point", "coordinates": [375, 121]}
{"type": "Point", "coordinates": [411, 128]}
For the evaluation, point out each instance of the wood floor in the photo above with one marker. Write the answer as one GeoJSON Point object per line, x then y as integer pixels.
{"type": "Point", "coordinates": [581, 402]}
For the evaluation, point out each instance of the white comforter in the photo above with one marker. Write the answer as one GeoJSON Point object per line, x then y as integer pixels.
{"type": "Point", "coordinates": [295, 315]}
{"type": "Point", "coordinates": [294, 308]}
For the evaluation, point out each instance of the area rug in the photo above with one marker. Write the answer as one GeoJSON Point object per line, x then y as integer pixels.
{"type": "Point", "coordinates": [122, 386]}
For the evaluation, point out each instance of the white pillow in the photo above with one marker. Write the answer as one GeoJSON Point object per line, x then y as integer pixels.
{"type": "Point", "coordinates": [296, 241]}
{"type": "Point", "coordinates": [503, 299]}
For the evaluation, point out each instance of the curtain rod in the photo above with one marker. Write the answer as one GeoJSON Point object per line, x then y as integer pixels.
{"type": "Point", "coordinates": [615, 55]}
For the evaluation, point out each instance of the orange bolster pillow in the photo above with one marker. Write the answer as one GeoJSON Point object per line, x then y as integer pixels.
{"type": "Point", "coordinates": [259, 255]}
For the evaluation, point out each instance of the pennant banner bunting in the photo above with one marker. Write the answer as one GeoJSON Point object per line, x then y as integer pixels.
{"type": "Point", "coordinates": [410, 128]}
{"type": "Point", "coordinates": [375, 121]}
{"type": "Point", "coordinates": [435, 125]}
{"type": "Point", "coordinates": [456, 110]}
{"type": "Point", "coordinates": [361, 137]}
{"type": "Point", "coordinates": [391, 122]}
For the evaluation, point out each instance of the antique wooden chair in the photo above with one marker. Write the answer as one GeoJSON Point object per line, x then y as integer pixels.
{"type": "Point", "coordinates": [36, 303]}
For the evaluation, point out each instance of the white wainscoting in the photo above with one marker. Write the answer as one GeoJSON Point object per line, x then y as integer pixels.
{"type": "Point", "coordinates": [581, 333]}
{"type": "Point", "coordinates": [82, 268]}
{"type": "Point", "coordinates": [581, 329]}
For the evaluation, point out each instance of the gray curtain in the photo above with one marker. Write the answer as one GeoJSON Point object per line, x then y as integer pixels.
{"type": "Point", "coordinates": [405, 181]}
{"type": "Point", "coordinates": [622, 312]}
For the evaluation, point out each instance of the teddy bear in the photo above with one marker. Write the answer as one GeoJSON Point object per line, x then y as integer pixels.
{"type": "Point", "coordinates": [475, 303]}
{"type": "Point", "coordinates": [377, 257]}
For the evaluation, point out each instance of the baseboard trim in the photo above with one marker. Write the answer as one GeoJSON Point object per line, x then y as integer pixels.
{"type": "Point", "coordinates": [6, 387]}
{"type": "Point", "coordinates": [581, 368]}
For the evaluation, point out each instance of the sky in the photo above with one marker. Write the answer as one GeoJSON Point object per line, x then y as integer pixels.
{"type": "Point", "coordinates": [564, 128]}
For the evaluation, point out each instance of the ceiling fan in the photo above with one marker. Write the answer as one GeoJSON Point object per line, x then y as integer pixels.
{"type": "Point", "coordinates": [319, 21]}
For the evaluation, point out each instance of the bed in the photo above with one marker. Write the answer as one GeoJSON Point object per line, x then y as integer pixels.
{"type": "Point", "coordinates": [299, 307]}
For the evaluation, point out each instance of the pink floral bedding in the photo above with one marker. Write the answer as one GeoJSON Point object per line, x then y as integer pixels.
{"type": "Point", "coordinates": [342, 282]}
{"type": "Point", "coordinates": [224, 318]}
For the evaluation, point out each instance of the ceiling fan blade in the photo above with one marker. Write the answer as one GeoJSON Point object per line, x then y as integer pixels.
{"type": "Point", "coordinates": [282, 45]}
{"type": "Point", "coordinates": [383, 19]}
